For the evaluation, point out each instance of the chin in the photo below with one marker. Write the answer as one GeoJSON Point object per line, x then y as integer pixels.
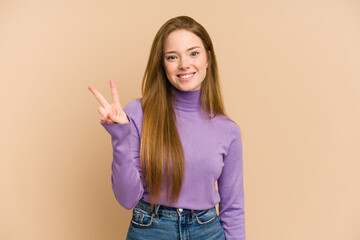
{"type": "Point", "coordinates": [187, 89]}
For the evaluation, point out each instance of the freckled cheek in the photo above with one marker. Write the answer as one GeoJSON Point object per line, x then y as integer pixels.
{"type": "Point", "coordinates": [170, 68]}
{"type": "Point", "coordinates": [201, 64]}
{"type": "Point", "coordinates": [167, 70]}
{"type": "Point", "coordinates": [170, 71]}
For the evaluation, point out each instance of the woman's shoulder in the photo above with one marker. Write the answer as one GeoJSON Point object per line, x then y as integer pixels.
{"type": "Point", "coordinates": [134, 108]}
{"type": "Point", "coordinates": [134, 105]}
{"type": "Point", "coordinates": [227, 124]}
{"type": "Point", "coordinates": [225, 120]}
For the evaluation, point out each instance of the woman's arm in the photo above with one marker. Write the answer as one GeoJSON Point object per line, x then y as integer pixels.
{"type": "Point", "coordinates": [125, 138]}
{"type": "Point", "coordinates": [126, 170]}
{"type": "Point", "coordinates": [231, 189]}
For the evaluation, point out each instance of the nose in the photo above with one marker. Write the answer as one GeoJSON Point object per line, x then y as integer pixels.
{"type": "Point", "coordinates": [184, 63]}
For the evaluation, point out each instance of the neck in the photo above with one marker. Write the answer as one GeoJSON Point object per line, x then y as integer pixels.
{"type": "Point", "coordinates": [188, 101]}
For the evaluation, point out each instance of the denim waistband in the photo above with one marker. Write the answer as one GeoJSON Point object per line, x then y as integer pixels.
{"type": "Point", "coordinates": [167, 210]}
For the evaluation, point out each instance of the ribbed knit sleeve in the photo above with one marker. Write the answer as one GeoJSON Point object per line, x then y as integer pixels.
{"type": "Point", "coordinates": [231, 188]}
{"type": "Point", "coordinates": [126, 171]}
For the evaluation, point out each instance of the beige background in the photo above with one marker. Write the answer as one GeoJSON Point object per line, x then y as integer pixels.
{"type": "Point", "coordinates": [290, 75]}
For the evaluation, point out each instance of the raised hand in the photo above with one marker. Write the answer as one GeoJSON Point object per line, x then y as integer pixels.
{"type": "Point", "coordinates": [110, 113]}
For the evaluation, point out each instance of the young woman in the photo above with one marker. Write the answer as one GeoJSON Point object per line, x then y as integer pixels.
{"type": "Point", "coordinates": [171, 146]}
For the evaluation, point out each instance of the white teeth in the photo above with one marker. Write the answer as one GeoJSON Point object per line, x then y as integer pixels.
{"type": "Point", "coordinates": [186, 76]}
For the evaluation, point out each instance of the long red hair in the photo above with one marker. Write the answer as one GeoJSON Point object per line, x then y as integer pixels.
{"type": "Point", "coordinates": [161, 152]}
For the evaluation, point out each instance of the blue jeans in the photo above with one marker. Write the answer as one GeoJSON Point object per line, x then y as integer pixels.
{"type": "Point", "coordinates": [167, 223]}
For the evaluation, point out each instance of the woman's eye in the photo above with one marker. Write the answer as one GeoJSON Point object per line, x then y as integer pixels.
{"type": "Point", "coordinates": [194, 53]}
{"type": "Point", "coordinates": [171, 58]}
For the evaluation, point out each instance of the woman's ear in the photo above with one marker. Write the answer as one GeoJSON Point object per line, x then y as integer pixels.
{"type": "Point", "coordinates": [208, 58]}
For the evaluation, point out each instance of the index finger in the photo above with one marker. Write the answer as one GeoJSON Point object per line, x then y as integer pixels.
{"type": "Point", "coordinates": [114, 92]}
{"type": "Point", "coordinates": [99, 97]}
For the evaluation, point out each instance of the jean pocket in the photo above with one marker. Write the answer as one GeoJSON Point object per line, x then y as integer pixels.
{"type": "Point", "coordinates": [206, 217]}
{"type": "Point", "coordinates": [141, 218]}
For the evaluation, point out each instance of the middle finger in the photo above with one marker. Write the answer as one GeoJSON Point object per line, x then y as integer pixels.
{"type": "Point", "coordinates": [114, 93]}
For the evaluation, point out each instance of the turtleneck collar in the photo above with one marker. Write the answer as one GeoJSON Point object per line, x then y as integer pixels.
{"type": "Point", "coordinates": [188, 101]}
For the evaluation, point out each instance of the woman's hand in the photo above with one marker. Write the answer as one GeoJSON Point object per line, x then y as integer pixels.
{"type": "Point", "coordinates": [110, 113]}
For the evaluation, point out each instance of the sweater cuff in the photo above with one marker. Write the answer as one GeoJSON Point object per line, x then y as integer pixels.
{"type": "Point", "coordinates": [116, 129]}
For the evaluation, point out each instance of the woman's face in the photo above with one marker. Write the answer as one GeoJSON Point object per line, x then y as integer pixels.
{"type": "Point", "coordinates": [185, 60]}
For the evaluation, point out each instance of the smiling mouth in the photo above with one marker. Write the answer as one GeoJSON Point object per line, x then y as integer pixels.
{"type": "Point", "coordinates": [185, 76]}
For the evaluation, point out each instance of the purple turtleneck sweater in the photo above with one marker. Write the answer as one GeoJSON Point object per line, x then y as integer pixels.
{"type": "Point", "coordinates": [213, 152]}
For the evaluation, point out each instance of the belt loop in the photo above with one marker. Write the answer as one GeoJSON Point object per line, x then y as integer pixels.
{"type": "Point", "coordinates": [156, 209]}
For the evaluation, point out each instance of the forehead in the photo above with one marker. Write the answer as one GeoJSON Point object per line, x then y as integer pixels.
{"type": "Point", "coordinates": [181, 40]}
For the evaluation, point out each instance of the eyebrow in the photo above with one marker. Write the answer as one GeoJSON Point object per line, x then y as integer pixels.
{"type": "Point", "coordinates": [186, 50]}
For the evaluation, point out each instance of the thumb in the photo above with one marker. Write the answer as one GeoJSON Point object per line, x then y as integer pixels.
{"type": "Point", "coordinates": [117, 119]}
{"type": "Point", "coordinates": [111, 116]}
